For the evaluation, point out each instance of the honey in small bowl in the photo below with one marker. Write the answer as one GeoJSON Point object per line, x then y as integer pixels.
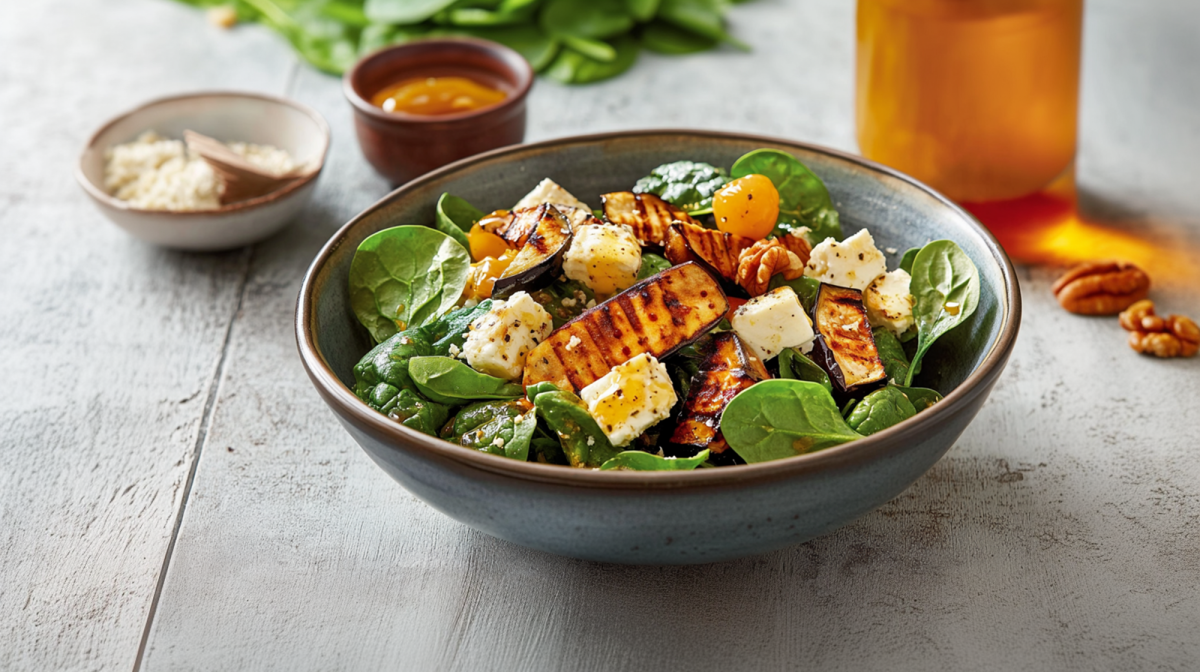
{"type": "Point", "coordinates": [434, 96]}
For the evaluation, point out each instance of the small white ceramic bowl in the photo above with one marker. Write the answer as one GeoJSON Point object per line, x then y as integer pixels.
{"type": "Point", "coordinates": [226, 116]}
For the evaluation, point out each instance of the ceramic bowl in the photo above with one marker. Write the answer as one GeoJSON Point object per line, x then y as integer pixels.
{"type": "Point", "coordinates": [227, 116]}
{"type": "Point", "coordinates": [666, 517]}
{"type": "Point", "coordinates": [404, 146]}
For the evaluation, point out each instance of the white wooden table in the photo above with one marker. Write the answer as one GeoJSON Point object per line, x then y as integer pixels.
{"type": "Point", "coordinates": [174, 495]}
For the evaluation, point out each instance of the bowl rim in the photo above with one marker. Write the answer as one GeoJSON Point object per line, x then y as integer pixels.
{"type": "Point", "coordinates": [847, 455]}
{"type": "Point", "coordinates": [102, 196]}
{"type": "Point", "coordinates": [498, 52]}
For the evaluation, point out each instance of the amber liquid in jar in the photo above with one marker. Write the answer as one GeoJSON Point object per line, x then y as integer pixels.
{"type": "Point", "coordinates": [978, 98]}
{"type": "Point", "coordinates": [432, 96]}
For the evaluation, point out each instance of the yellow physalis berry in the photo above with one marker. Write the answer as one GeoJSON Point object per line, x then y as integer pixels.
{"type": "Point", "coordinates": [747, 206]}
{"type": "Point", "coordinates": [482, 276]}
{"type": "Point", "coordinates": [485, 243]}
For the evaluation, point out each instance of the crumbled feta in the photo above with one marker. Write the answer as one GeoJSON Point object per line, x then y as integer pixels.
{"type": "Point", "coordinates": [605, 257]}
{"type": "Point", "coordinates": [568, 302]}
{"type": "Point", "coordinates": [769, 323]}
{"type": "Point", "coordinates": [575, 340]}
{"type": "Point", "coordinates": [454, 350]}
{"type": "Point", "coordinates": [889, 303]}
{"type": "Point", "coordinates": [853, 263]}
{"type": "Point", "coordinates": [500, 339]}
{"type": "Point", "coordinates": [630, 398]}
{"type": "Point", "coordinates": [498, 442]}
{"type": "Point", "coordinates": [548, 192]}
{"type": "Point", "coordinates": [890, 250]}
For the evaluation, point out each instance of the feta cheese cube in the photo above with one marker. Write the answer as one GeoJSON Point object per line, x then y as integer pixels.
{"type": "Point", "coordinates": [852, 263]}
{"type": "Point", "coordinates": [630, 398]}
{"type": "Point", "coordinates": [773, 321]}
{"type": "Point", "coordinates": [548, 192]}
{"type": "Point", "coordinates": [889, 303]}
{"type": "Point", "coordinates": [605, 257]}
{"type": "Point", "coordinates": [499, 340]}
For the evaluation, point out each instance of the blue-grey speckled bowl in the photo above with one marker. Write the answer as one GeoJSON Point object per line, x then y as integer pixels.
{"type": "Point", "coordinates": [665, 517]}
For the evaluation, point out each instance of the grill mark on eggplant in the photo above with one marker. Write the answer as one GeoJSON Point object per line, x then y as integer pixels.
{"type": "Point", "coordinates": [845, 347]}
{"type": "Point", "coordinates": [648, 215]}
{"type": "Point", "coordinates": [726, 370]}
{"type": "Point", "coordinates": [717, 250]}
{"type": "Point", "coordinates": [540, 258]}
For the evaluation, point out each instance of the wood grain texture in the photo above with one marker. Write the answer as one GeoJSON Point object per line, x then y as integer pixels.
{"type": "Point", "coordinates": [1061, 532]}
{"type": "Point", "coordinates": [109, 346]}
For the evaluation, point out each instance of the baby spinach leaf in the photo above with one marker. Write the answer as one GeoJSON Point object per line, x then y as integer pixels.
{"type": "Point", "coordinates": [573, 67]}
{"type": "Point", "coordinates": [584, 443]}
{"type": "Point", "coordinates": [806, 289]}
{"type": "Point", "coordinates": [403, 11]}
{"type": "Point", "coordinates": [597, 50]}
{"type": "Point", "coordinates": [686, 184]}
{"type": "Point", "coordinates": [642, 10]}
{"type": "Point", "coordinates": [794, 365]}
{"type": "Point", "coordinates": [416, 412]}
{"type": "Point", "coordinates": [404, 277]}
{"type": "Point", "coordinates": [455, 217]}
{"type": "Point", "coordinates": [906, 262]}
{"type": "Point", "coordinates": [703, 17]}
{"type": "Point", "coordinates": [652, 264]}
{"type": "Point", "coordinates": [564, 300]}
{"type": "Point", "coordinates": [538, 47]}
{"type": "Point", "coordinates": [921, 397]}
{"type": "Point", "coordinates": [449, 381]}
{"type": "Point", "coordinates": [803, 198]}
{"type": "Point", "coordinates": [636, 460]}
{"type": "Point", "coordinates": [775, 419]}
{"type": "Point", "coordinates": [945, 285]}
{"type": "Point", "coordinates": [450, 330]}
{"type": "Point", "coordinates": [895, 362]}
{"type": "Point", "coordinates": [502, 428]}
{"type": "Point", "coordinates": [881, 409]}
{"type": "Point", "coordinates": [665, 38]}
{"type": "Point", "coordinates": [595, 19]}
{"type": "Point", "coordinates": [383, 372]}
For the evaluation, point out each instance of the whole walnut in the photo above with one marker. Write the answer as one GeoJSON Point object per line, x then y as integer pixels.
{"type": "Point", "coordinates": [764, 259]}
{"type": "Point", "coordinates": [1172, 336]}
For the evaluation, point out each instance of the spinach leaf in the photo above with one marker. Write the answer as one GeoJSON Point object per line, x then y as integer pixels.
{"type": "Point", "coordinates": [636, 460]}
{"type": "Point", "coordinates": [703, 17]}
{"type": "Point", "coordinates": [906, 262]}
{"type": "Point", "coordinates": [404, 277]}
{"type": "Point", "coordinates": [383, 372]}
{"type": "Point", "coordinates": [945, 285]}
{"type": "Point", "coordinates": [564, 300]}
{"type": "Point", "coordinates": [689, 185]}
{"type": "Point", "coordinates": [664, 38]}
{"type": "Point", "coordinates": [403, 11]}
{"type": "Point", "coordinates": [642, 10]}
{"type": "Point", "coordinates": [448, 381]}
{"type": "Point", "coordinates": [803, 198]}
{"type": "Point", "coordinates": [595, 19]}
{"type": "Point", "coordinates": [806, 289]}
{"type": "Point", "coordinates": [895, 362]}
{"type": "Point", "coordinates": [921, 397]}
{"type": "Point", "coordinates": [652, 264]}
{"type": "Point", "coordinates": [775, 419]}
{"type": "Point", "coordinates": [881, 409]}
{"type": "Point", "coordinates": [450, 330]}
{"type": "Point", "coordinates": [455, 217]}
{"type": "Point", "coordinates": [597, 50]}
{"type": "Point", "coordinates": [498, 427]}
{"type": "Point", "coordinates": [794, 365]}
{"type": "Point", "coordinates": [532, 42]}
{"type": "Point", "coordinates": [571, 66]}
{"type": "Point", "coordinates": [584, 443]}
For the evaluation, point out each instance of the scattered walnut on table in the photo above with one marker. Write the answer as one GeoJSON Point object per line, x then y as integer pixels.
{"type": "Point", "coordinates": [1173, 336]}
{"type": "Point", "coordinates": [1101, 287]}
{"type": "Point", "coordinates": [760, 261]}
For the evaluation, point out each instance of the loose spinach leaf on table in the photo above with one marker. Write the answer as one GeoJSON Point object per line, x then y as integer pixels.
{"type": "Point", "coordinates": [891, 352]}
{"type": "Point", "coordinates": [689, 185]}
{"type": "Point", "coordinates": [636, 460]}
{"type": "Point", "coordinates": [703, 17]}
{"type": "Point", "coordinates": [455, 217]}
{"type": "Point", "coordinates": [775, 419]}
{"type": "Point", "coordinates": [945, 286]}
{"type": "Point", "coordinates": [572, 66]}
{"type": "Point", "coordinates": [403, 11]}
{"type": "Point", "coordinates": [794, 365]}
{"type": "Point", "coordinates": [921, 397]}
{"type": "Point", "coordinates": [664, 38]}
{"type": "Point", "coordinates": [642, 10]}
{"type": "Point", "coordinates": [404, 277]}
{"type": "Point", "coordinates": [449, 381]}
{"type": "Point", "coordinates": [594, 19]}
{"type": "Point", "coordinates": [803, 198]}
{"type": "Point", "coordinates": [652, 264]}
{"type": "Point", "coordinates": [881, 409]}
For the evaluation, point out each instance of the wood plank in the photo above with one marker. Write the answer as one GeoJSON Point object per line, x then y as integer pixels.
{"type": "Point", "coordinates": [1058, 534]}
{"type": "Point", "coordinates": [109, 345]}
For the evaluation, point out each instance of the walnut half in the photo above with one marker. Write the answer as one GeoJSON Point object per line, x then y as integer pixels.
{"type": "Point", "coordinates": [1173, 336]}
{"type": "Point", "coordinates": [1101, 287]}
{"type": "Point", "coordinates": [760, 261]}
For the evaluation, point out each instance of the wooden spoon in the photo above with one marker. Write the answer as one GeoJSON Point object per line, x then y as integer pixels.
{"type": "Point", "coordinates": [240, 179]}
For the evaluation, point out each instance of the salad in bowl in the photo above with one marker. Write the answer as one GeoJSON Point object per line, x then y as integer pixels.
{"type": "Point", "coordinates": [704, 317]}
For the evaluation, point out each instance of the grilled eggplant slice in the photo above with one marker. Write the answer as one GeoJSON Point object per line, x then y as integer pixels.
{"type": "Point", "coordinates": [540, 259]}
{"type": "Point", "coordinates": [515, 227]}
{"type": "Point", "coordinates": [648, 215]}
{"type": "Point", "coordinates": [716, 250]}
{"type": "Point", "coordinates": [728, 368]}
{"type": "Point", "coordinates": [844, 346]}
{"type": "Point", "coordinates": [657, 315]}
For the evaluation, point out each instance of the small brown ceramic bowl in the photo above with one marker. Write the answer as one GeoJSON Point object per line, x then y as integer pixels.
{"type": "Point", "coordinates": [405, 146]}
